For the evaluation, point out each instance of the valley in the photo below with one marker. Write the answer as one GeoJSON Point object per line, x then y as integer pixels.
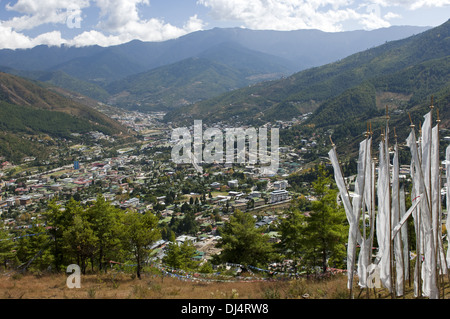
{"type": "Point", "coordinates": [88, 173]}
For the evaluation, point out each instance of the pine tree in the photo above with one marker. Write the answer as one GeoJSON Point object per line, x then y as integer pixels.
{"type": "Point", "coordinates": [179, 256]}
{"type": "Point", "coordinates": [326, 228]}
{"type": "Point", "coordinates": [58, 220]}
{"type": "Point", "coordinates": [7, 251]}
{"type": "Point", "coordinates": [105, 220]}
{"type": "Point", "coordinates": [140, 231]}
{"type": "Point", "coordinates": [292, 235]}
{"type": "Point", "coordinates": [81, 241]}
{"type": "Point", "coordinates": [33, 250]}
{"type": "Point", "coordinates": [243, 243]}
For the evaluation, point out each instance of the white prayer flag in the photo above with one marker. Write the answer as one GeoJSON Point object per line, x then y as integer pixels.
{"type": "Point", "coordinates": [352, 210]}
{"type": "Point", "coordinates": [395, 211]}
{"type": "Point", "coordinates": [343, 191]}
{"type": "Point", "coordinates": [417, 189]}
{"type": "Point", "coordinates": [447, 224]}
{"type": "Point", "coordinates": [429, 264]}
{"type": "Point", "coordinates": [383, 229]}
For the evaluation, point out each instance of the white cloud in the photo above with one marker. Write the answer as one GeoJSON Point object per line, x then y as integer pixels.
{"type": "Point", "coordinates": [119, 22]}
{"type": "Point", "coordinates": [94, 38]}
{"type": "Point", "coordinates": [117, 14]}
{"type": "Point", "coordinates": [121, 17]}
{"type": "Point", "coordinates": [326, 15]}
{"type": "Point", "coordinates": [412, 4]}
{"type": "Point", "coordinates": [148, 30]}
{"type": "Point", "coordinates": [10, 39]}
{"type": "Point", "coordinates": [194, 24]}
{"type": "Point", "coordinates": [39, 12]}
{"type": "Point", "coordinates": [429, 3]}
{"type": "Point", "coordinates": [391, 15]}
{"type": "Point", "coordinates": [50, 38]}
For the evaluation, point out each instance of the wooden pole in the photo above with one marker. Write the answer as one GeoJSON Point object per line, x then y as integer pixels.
{"type": "Point", "coordinates": [417, 228]}
{"type": "Point", "coordinates": [434, 212]}
{"type": "Point", "coordinates": [364, 217]}
{"type": "Point", "coordinates": [419, 269]}
{"type": "Point", "coordinates": [399, 236]}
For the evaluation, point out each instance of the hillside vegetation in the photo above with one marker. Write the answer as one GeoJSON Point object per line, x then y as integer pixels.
{"type": "Point", "coordinates": [221, 69]}
{"type": "Point", "coordinates": [30, 114]}
{"type": "Point", "coordinates": [245, 57]}
{"type": "Point", "coordinates": [343, 92]}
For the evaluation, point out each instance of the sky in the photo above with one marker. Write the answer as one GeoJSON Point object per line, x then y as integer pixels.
{"type": "Point", "coordinates": [28, 23]}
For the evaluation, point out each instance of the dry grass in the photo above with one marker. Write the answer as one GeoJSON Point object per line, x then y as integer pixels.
{"type": "Point", "coordinates": [124, 286]}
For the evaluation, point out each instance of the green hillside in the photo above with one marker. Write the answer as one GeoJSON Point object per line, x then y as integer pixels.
{"type": "Point", "coordinates": [101, 68]}
{"type": "Point", "coordinates": [18, 91]}
{"type": "Point", "coordinates": [357, 102]}
{"type": "Point", "coordinates": [406, 91]}
{"type": "Point", "coordinates": [14, 148]}
{"type": "Point", "coordinates": [29, 114]}
{"type": "Point", "coordinates": [61, 79]}
{"type": "Point", "coordinates": [175, 85]}
{"type": "Point", "coordinates": [65, 81]}
{"type": "Point", "coordinates": [19, 119]}
{"type": "Point", "coordinates": [218, 70]}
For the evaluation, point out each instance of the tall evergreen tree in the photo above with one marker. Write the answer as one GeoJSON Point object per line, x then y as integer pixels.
{"type": "Point", "coordinates": [33, 251]}
{"type": "Point", "coordinates": [243, 243]}
{"type": "Point", "coordinates": [81, 241]}
{"type": "Point", "coordinates": [105, 220]}
{"type": "Point", "coordinates": [58, 220]}
{"type": "Point", "coordinates": [326, 228]}
{"type": "Point", "coordinates": [140, 231]}
{"type": "Point", "coordinates": [188, 225]}
{"type": "Point", "coordinates": [292, 235]}
{"type": "Point", "coordinates": [179, 256]}
{"type": "Point", "coordinates": [7, 251]}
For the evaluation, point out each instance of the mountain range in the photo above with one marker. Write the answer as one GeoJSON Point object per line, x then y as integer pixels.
{"type": "Point", "coordinates": [345, 94]}
{"type": "Point", "coordinates": [128, 75]}
{"type": "Point", "coordinates": [228, 75]}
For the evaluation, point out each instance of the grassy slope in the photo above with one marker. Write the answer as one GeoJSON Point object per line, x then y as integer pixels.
{"type": "Point", "coordinates": [116, 285]}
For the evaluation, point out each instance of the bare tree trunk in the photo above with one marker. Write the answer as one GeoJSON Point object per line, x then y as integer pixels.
{"type": "Point", "coordinates": [138, 266]}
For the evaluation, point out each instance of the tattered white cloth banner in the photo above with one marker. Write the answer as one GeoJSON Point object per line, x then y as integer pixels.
{"type": "Point", "coordinates": [405, 217]}
{"type": "Point", "coordinates": [447, 170]}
